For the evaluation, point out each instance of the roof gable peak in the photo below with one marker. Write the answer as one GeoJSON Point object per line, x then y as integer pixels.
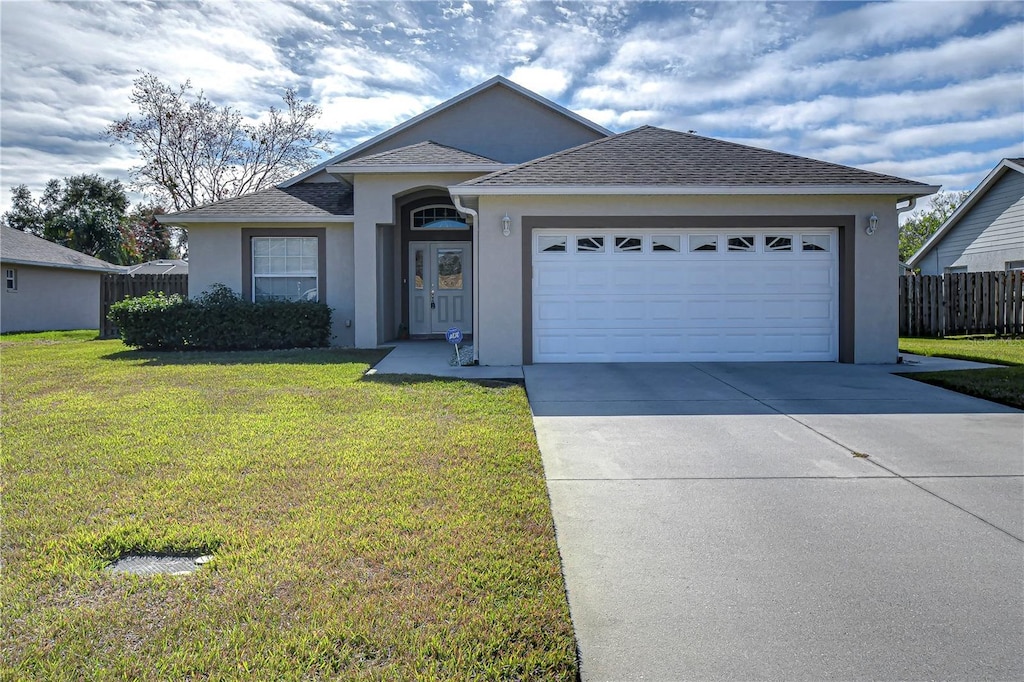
{"type": "Point", "coordinates": [494, 82]}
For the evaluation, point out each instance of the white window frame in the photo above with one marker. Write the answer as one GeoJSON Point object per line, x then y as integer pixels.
{"type": "Point", "coordinates": [1014, 266]}
{"type": "Point", "coordinates": [11, 279]}
{"type": "Point", "coordinates": [315, 274]}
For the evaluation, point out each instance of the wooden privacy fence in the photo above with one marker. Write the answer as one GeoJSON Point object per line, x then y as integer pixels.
{"type": "Point", "coordinates": [117, 287]}
{"type": "Point", "coordinates": [962, 303]}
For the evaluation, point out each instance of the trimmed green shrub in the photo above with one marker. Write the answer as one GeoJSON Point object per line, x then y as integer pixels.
{"type": "Point", "coordinates": [220, 320]}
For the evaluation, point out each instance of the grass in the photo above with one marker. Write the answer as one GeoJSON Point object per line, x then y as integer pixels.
{"type": "Point", "coordinates": [363, 530]}
{"type": "Point", "coordinates": [1002, 385]}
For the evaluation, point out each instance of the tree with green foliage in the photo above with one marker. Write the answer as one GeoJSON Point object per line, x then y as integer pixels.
{"type": "Point", "coordinates": [88, 213]}
{"type": "Point", "coordinates": [922, 224]}
{"type": "Point", "coordinates": [148, 238]}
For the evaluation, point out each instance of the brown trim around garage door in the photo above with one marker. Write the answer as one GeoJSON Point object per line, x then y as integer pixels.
{"type": "Point", "coordinates": [321, 256]}
{"type": "Point", "coordinates": [844, 223]}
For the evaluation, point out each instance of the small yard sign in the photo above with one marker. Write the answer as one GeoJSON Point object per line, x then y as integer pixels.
{"type": "Point", "coordinates": [454, 336]}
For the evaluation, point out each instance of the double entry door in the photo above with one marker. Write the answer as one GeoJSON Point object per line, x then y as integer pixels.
{"type": "Point", "coordinates": [440, 287]}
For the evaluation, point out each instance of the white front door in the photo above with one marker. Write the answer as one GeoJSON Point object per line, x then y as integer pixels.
{"type": "Point", "coordinates": [440, 287]}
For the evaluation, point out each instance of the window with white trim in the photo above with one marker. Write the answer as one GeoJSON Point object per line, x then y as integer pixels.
{"type": "Point", "coordinates": [955, 270]}
{"type": "Point", "coordinates": [11, 279]}
{"type": "Point", "coordinates": [438, 217]}
{"type": "Point", "coordinates": [285, 268]}
{"type": "Point", "coordinates": [590, 245]}
{"type": "Point", "coordinates": [1015, 266]}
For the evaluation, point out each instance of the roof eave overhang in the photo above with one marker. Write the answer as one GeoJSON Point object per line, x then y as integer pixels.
{"type": "Point", "coordinates": [974, 197]}
{"type": "Point", "coordinates": [908, 190]}
{"type": "Point", "coordinates": [355, 169]}
{"type": "Point", "coordinates": [62, 266]}
{"type": "Point", "coordinates": [251, 219]}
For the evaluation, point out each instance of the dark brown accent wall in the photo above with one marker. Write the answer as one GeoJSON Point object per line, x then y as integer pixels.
{"type": "Point", "coordinates": [403, 209]}
{"type": "Point", "coordinates": [319, 232]}
{"type": "Point", "coordinates": [844, 223]}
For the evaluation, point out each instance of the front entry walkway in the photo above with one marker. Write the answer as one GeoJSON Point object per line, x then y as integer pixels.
{"type": "Point", "coordinates": [433, 358]}
{"type": "Point", "coordinates": [783, 521]}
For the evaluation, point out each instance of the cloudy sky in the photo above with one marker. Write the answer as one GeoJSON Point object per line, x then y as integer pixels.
{"type": "Point", "coordinates": [932, 91]}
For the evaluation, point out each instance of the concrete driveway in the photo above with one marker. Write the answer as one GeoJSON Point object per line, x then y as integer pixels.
{"type": "Point", "coordinates": [783, 521]}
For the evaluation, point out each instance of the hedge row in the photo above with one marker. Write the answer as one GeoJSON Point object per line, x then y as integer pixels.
{"type": "Point", "coordinates": [220, 320]}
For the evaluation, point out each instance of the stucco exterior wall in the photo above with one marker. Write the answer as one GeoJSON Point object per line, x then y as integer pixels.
{"type": "Point", "coordinates": [989, 235]}
{"type": "Point", "coordinates": [216, 253]}
{"type": "Point", "coordinates": [50, 298]}
{"type": "Point", "coordinates": [529, 130]}
{"type": "Point", "coordinates": [501, 307]}
{"type": "Point", "coordinates": [375, 196]}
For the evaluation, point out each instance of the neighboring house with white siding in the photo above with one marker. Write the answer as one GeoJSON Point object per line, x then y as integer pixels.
{"type": "Point", "coordinates": [986, 233]}
{"type": "Point", "coordinates": [48, 286]}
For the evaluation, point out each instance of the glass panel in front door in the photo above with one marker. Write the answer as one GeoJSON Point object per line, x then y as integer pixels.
{"type": "Point", "coordinates": [449, 268]}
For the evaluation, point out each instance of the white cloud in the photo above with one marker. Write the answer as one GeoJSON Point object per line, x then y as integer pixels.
{"type": "Point", "coordinates": [547, 82]}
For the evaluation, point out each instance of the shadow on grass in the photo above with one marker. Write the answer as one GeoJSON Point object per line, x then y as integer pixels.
{"type": "Point", "coordinates": [293, 356]}
{"type": "Point", "coordinates": [406, 379]}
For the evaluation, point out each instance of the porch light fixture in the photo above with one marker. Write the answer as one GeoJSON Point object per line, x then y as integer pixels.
{"type": "Point", "coordinates": [506, 225]}
{"type": "Point", "coordinates": [872, 224]}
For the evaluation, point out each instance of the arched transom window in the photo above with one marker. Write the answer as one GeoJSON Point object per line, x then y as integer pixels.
{"type": "Point", "coordinates": [438, 218]}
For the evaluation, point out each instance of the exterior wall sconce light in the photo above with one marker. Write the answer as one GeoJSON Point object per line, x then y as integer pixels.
{"type": "Point", "coordinates": [872, 224]}
{"type": "Point", "coordinates": [506, 225]}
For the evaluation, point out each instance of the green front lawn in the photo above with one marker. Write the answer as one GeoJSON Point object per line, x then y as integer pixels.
{"type": "Point", "coordinates": [1003, 385]}
{"type": "Point", "coordinates": [998, 351]}
{"type": "Point", "coordinates": [361, 529]}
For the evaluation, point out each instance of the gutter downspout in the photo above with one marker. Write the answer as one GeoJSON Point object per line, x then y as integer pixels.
{"type": "Point", "coordinates": [911, 205]}
{"type": "Point", "coordinates": [457, 200]}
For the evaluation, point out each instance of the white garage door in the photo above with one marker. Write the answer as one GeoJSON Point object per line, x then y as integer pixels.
{"type": "Point", "coordinates": [685, 295]}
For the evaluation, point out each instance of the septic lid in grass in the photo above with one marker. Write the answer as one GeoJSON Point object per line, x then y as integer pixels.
{"type": "Point", "coordinates": [143, 564]}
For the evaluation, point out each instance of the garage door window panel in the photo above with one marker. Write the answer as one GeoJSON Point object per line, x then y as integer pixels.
{"type": "Point", "coordinates": [665, 243]}
{"type": "Point", "coordinates": [816, 242]}
{"type": "Point", "coordinates": [740, 243]}
{"type": "Point", "coordinates": [776, 243]}
{"type": "Point", "coordinates": [590, 245]}
{"type": "Point", "coordinates": [551, 244]}
{"type": "Point", "coordinates": [701, 243]}
{"type": "Point", "coordinates": [629, 245]}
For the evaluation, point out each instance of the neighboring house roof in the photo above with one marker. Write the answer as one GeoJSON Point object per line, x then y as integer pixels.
{"type": "Point", "coordinates": [655, 160]}
{"type": "Point", "coordinates": [497, 81]}
{"type": "Point", "coordinates": [310, 202]}
{"type": "Point", "coordinates": [422, 157]}
{"type": "Point", "coordinates": [1002, 168]}
{"type": "Point", "coordinates": [22, 248]}
{"type": "Point", "coordinates": [163, 266]}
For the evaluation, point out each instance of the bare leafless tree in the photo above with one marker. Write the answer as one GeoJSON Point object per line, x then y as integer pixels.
{"type": "Point", "coordinates": [194, 152]}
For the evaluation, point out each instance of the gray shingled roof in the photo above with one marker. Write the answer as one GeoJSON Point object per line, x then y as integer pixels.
{"type": "Point", "coordinates": [422, 153]}
{"type": "Point", "coordinates": [27, 249]}
{"type": "Point", "coordinates": [655, 156]}
{"type": "Point", "coordinates": [314, 199]}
